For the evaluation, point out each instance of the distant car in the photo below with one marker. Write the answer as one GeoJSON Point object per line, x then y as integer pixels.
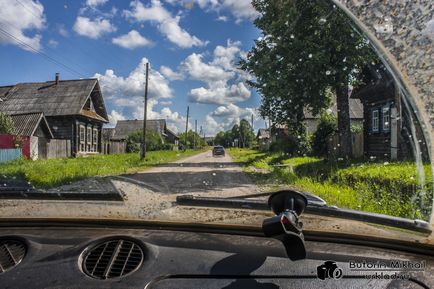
{"type": "Point", "coordinates": [218, 151]}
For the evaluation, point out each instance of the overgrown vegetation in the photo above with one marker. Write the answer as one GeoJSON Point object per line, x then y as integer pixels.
{"type": "Point", "coordinates": [239, 136]}
{"type": "Point", "coordinates": [385, 188]}
{"type": "Point", "coordinates": [191, 140]}
{"type": "Point", "coordinates": [154, 141]}
{"type": "Point", "coordinates": [6, 124]}
{"type": "Point", "coordinates": [55, 172]}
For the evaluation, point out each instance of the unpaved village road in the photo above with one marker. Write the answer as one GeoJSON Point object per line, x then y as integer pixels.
{"type": "Point", "coordinates": [150, 194]}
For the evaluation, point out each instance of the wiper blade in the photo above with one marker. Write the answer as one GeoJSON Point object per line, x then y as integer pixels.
{"type": "Point", "coordinates": [314, 207]}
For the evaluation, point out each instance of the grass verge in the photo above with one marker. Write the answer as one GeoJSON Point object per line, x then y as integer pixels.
{"type": "Point", "coordinates": [385, 188]}
{"type": "Point", "coordinates": [51, 173]}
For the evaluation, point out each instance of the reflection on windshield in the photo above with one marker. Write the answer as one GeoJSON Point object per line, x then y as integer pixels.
{"type": "Point", "coordinates": [308, 104]}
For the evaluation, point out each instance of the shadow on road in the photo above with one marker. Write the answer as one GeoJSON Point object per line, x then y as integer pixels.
{"type": "Point", "coordinates": [189, 182]}
{"type": "Point", "coordinates": [202, 165]}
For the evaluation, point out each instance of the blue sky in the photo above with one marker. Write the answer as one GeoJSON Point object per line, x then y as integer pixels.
{"type": "Point", "coordinates": [192, 47]}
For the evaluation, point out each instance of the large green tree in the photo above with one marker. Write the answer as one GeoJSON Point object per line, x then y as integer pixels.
{"type": "Point", "coordinates": [306, 48]}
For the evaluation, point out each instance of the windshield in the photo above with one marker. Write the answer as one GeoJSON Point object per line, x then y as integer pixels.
{"type": "Point", "coordinates": [122, 109]}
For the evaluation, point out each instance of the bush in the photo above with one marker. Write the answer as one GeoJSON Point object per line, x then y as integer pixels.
{"type": "Point", "coordinates": [326, 128]}
{"type": "Point", "coordinates": [6, 124]}
{"type": "Point", "coordinates": [153, 141]}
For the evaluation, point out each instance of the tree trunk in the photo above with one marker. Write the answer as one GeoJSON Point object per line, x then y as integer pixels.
{"type": "Point", "coordinates": [344, 125]}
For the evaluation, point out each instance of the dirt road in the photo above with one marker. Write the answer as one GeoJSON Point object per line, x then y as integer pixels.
{"type": "Point", "coordinates": [148, 194]}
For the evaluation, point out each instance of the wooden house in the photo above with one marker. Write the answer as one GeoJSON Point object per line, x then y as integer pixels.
{"type": "Point", "coordinates": [73, 109]}
{"type": "Point", "coordinates": [388, 124]}
{"type": "Point", "coordinates": [115, 138]}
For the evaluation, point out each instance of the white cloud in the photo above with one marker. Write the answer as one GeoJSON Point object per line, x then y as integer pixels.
{"type": "Point", "coordinates": [53, 43]}
{"type": "Point", "coordinates": [95, 3]}
{"type": "Point", "coordinates": [132, 40]}
{"type": "Point", "coordinates": [170, 74]}
{"type": "Point", "coordinates": [62, 30]}
{"type": "Point", "coordinates": [114, 86]}
{"type": "Point", "coordinates": [114, 116]}
{"type": "Point", "coordinates": [93, 28]}
{"type": "Point", "coordinates": [166, 103]}
{"type": "Point", "coordinates": [17, 21]}
{"type": "Point", "coordinates": [124, 95]}
{"type": "Point", "coordinates": [221, 95]}
{"type": "Point", "coordinates": [224, 81]}
{"type": "Point", "coordinates": [167, 24]}
{"type": "Point", "coordinates": [225, 117]}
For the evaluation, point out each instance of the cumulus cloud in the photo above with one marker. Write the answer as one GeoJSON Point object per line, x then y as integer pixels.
{"type": "Point", "coordinates": [95, 3]}
{"type": "Point", "coordinates": [224, 82]}
{"type": "Point", "coordinates": [167, 24]}
{"type": "Point", "coordinates": [93, 28]}
{"type": "Point", "coordinates": [19, 23]}
{"type": "Point", "coordinates": [226, 116]}
{"type": "Point", "coordinates": [170, 74]}
{"type": "Point", "coordinates": [132, 40]}
{"type": "Point", "coordinates": [124, 95]}
{"type": "Point", "coordinates": [114, 116]}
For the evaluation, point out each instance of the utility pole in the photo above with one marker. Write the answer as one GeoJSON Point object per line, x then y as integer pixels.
{"type": "Point", "coordinates": [195, 132]}
{"type": "Point", "coordinates": [143, 146]}
{"type": "Point", "coordinates": [186, 128]}
{"type": "Point", "coordinates": [252, 123]}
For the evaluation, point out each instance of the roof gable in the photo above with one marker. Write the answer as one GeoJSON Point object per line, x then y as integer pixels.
{"type": "Point", "coordinates": [67, 97]}
{"type": "Point", "coordinates": [26, 124]}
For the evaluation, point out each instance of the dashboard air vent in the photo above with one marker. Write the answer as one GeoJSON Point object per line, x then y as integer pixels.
{"type": "Point", "coordinates": [113, 258]}
{"type": "Point", "coordinates": [11, 254]}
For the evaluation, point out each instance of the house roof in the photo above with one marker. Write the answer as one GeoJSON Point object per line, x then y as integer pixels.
{"type": "Point", "coordinates": [26, 124]}
{"type": "Point", "coordinates": [356, 110]}
{"type": "Point", "coordinates": [107, 133]}
{"type": "Point", "coordinates": [125, 127]}
{"type": "Point", "coordinates": [170, 132]}
{"type": "Point", "coordinates": [67, 97]}
{"type": "Point", "coordinates": [263, 133]}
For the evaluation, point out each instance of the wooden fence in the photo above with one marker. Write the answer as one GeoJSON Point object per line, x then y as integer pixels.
{"type": "Point", "coordinates": [58, 148]}
{"type": "Point", "coordinates": [357, 144]}
{"type": "Point", "coordinates": [114, 147]}
{"type": "Point", "coordinates": [7, 155]}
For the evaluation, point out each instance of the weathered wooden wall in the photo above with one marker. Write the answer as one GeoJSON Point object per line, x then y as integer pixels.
{"type": "Point", "coordinates": [357, 143]}
{"type": "Point", "coordinates": [114, 147]}
{"type": "Point", "coordinates": [58, 148]}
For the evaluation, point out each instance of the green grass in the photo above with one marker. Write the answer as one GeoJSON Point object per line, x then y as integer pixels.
{"type": "Point", "coordinates": [386, 188]}
{"type": "Point", "coordinates": [55, 172]}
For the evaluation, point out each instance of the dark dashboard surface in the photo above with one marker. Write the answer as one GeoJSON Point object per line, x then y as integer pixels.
{"type": "Point", "coordinates": [181, 259]}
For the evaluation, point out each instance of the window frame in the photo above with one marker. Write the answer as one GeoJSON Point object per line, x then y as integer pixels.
{"type": "Point", "coordinates": [385, 112]}
{"type": "Point", "coordinates": [95, 139]}
{"type": "Point", "coordinates": [88, 139]}
{"type": "Point", "coordinates": [82, 138]}
{"type": "Point", "coordinates": [377, 127]}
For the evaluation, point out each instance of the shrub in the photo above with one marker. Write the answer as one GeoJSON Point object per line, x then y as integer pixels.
{"type": "Point", "coordinates": [6, 124]}
{"type": "Point", "coordinates": [326, 128]}
{"type": "Point", "coordinates": [153, 141]}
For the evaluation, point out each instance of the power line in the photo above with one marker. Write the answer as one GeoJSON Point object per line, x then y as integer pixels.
{"type": "Point", "coordinates": [4, 32]}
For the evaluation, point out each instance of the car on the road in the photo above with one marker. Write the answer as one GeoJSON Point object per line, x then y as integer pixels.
{"type": "Point", "coordinates": [218, 151]}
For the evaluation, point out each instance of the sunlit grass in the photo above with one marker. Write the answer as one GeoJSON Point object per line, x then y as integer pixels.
{"type": "Point", "coordinates": [386, 187]}
{"type": "Point", "coordinates": [55, 172]}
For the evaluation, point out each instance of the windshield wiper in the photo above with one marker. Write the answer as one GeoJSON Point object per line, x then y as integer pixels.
{"type": "Point", "coordinates": [315, 206]}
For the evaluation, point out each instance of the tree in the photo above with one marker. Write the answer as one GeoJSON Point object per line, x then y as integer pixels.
{"type": "Point", "coordinates": [6, 124]}
{"type": "Point", "coordinates": [246, 135]}
{"type": "Point", "coordinates": [192, 137]}
{"type": "Point", "coordinates": [306, 48]}
{"type": "Point", "coordinates": [153, 141]}
{"type": "Point", "coordinates": [326, 128]}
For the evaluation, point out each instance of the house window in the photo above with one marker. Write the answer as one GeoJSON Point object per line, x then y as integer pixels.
{"type": "Point", "coordinates": [82, 138]}
{"type": "Point", "coordinates": [386, 118]}
{"type": "Point", "coordinates": [89, 139]}
{"type": "Point", "coordinates": [95, 140]}
{"type": "Point", "coordinates": [375, 120]}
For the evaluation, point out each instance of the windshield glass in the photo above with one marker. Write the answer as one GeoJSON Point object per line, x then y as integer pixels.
{"type": "Point", "coordinates": [240, 99]}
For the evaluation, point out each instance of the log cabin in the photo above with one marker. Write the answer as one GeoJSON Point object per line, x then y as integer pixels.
{"type": "Point", "coordinates": [73, 109]}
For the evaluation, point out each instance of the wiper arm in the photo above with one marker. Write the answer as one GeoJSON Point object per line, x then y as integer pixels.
{"type": "Point", "coordinates": [314, 207]}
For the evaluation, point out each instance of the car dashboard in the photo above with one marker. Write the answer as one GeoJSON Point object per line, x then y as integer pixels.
{"type": "Point", "coordinates": [123, 256]}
